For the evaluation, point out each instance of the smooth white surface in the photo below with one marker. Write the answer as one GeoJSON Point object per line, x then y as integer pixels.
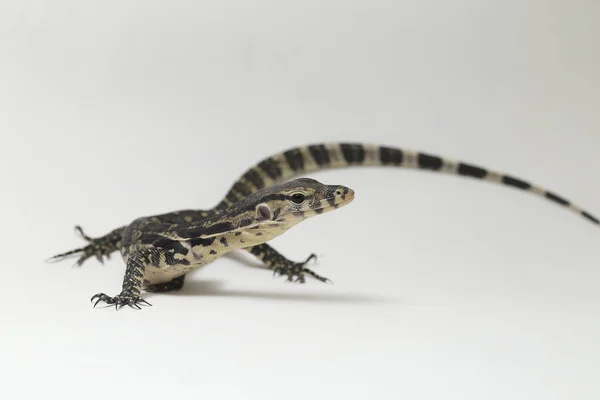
{"type": "Point", "coordinates": [445, 288]}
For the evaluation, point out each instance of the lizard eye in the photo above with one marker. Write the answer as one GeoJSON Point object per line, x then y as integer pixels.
{"type": "Point", "coordinates": [297, 198]}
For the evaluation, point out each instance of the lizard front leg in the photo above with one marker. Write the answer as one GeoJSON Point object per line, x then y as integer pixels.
{"type": "Point", "coordinates": [98, 247]}
{"type": "Point", "coordinates": [282, 266]}
{"type": "Point", "coordinates": [132, 282]}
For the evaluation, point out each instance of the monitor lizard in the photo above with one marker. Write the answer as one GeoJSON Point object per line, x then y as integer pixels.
{"type": "Point", "coordinates": [262, 204]}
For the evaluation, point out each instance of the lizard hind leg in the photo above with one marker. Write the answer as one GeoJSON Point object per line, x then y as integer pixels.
{"type": "Point", "coordinates": [295, 271]}
{"type": "Point", "coordinates": [98, 247]}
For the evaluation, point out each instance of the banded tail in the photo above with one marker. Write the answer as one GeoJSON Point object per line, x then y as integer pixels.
{"type": "Point", "coordinates": [315, 157]}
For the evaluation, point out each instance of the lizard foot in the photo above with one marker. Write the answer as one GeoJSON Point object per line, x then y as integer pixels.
{"type": "Point", "coordinates": [99, 248]}
{"type": "Point", "coordinates": [296, 272]}
{"type": "Point", "coordinates": [120, 300]}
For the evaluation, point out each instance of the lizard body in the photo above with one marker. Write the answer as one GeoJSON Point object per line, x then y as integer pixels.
{"type": "Point", "coordinates": [261, 205]}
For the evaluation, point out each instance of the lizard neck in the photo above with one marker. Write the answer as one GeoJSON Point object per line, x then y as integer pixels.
{"type": "Point", "coordinates": [248, 238]}
{"type": "Point", "coordinates": [223, 244]}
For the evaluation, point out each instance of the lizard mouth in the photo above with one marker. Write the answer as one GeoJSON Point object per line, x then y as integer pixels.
{"type": "Point", "coordinates": [346, 199]}
{"type": "Point", "coordinates": [342, 197]}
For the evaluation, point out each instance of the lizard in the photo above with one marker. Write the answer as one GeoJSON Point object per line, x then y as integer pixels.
{"type": "Point", "coordinates": [267, 200]}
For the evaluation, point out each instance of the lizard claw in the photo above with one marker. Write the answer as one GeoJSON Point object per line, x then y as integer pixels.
{"type": "Point", "coordinates": [99, 258]}
{"type": "Point", "coordinates": [144, 302]}
{"type": "Point", "coordinates": [313, 256]}
{"type": "Point", "coordinates": [296, 271]}
{"type": "Point", "coordinates": [119, 300]}
{"type": "Point", "coordinates": [79, 232]}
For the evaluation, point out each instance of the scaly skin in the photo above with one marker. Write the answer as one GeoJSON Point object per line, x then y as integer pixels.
{"type": "Point", "coordinates": [160, 249]}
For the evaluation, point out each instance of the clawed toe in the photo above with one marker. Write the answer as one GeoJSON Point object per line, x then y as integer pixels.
{"type": "Point", "coordinates": [79, 232]}
{"type": "Point", "coordinates": [313, 256]}
{"type": "Point", "coordinates": [99, 248]}
{"type": "Point", "coordinates": [296, 272]}
{"type": "Point", "coordinates": [120, 300]}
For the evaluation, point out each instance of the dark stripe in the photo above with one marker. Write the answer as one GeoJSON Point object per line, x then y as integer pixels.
{"type": "Point", "coordinates": [510, 181]}
{"type": "Point", "coordinates": [246, 205]}
{"type": "Point", "coordinates": [242, 188]}
{"type": "Point", "coordinates": [429, 162]}
{"type": "Point", "coordinates": [590, 217]}
{"type": "Point", "coordinates": [255, 178]}
{"type": "Point", "coordinates": [319, 153]}
{"type": "Point", "coordinates": [276, 213]}
{"type": "Point", "coordinates": [222, 206]}
{"type": "Point", "coordinates": [232, 196]}
{"type": "Point", "coordinates": [319, 210]}
{"type": "Point", "coordinates": [556, 199]}
{"type": "Point", "coordinates": [471, 170]}
{"type": "Point", "coordinates": [271, 168]}
{"type": "Point", "coordinates": [217, 228]}
{"type": "Point", "coordinates": [155, 239]}
{"type": "Point", "coordinates": [177, 247]}
{"type": "Point", "coordinates": [353, 153]}
{"type": "Point", "coordinates": [244, 222]}
{"type": "Point", "coordinates": [201, 241]}
{"type": "Point", "coordinates": [273, 196]}
{"type": "Point", "coordinates": [388, 155]}
{"type": "Point", "coordinates": [170, 260]}
{"type": "Point", "coordinates": [295, 159]}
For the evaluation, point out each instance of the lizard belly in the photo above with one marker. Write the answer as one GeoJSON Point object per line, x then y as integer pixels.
{"type": "Point", "coordinates": [154, 275]}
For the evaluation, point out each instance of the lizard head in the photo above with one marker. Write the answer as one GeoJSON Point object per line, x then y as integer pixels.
{"type": "Point", "coordinates": [292, 202]}
{"type": "Point", "coordinates": [269, 212]}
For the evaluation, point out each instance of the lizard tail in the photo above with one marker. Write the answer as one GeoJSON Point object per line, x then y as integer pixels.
{"type": "Point", "coordinates": [314, 157]}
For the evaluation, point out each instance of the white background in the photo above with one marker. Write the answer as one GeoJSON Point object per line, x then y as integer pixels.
{"type": "Point", "coordinates": [444, 287]}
